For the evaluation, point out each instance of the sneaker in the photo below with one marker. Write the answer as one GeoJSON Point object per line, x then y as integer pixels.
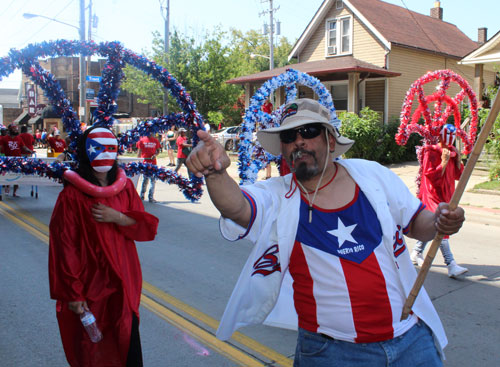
{"type": "Point", "coordinates": [153, 200]}
{"type": "Point", "coordinates": [416, 258]}
{"type": "Point", "coordinates": [142, 197]}
{"type": "Point", "coordinates": [454, 270]}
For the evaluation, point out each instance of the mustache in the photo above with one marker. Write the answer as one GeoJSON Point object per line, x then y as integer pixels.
{"type": "Point", "coordinates": [296, 154]}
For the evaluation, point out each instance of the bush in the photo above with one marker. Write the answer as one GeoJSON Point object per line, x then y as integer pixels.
{"type": "Point", "coordinates": [375, 141]}
{"type": "Point", "coordinates": [367, 132]}
{"type": "Point", "coordinates": [494, 174]}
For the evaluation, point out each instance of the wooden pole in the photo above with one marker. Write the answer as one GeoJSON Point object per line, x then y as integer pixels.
{"type": "Point", "coordinates": [462, 183]}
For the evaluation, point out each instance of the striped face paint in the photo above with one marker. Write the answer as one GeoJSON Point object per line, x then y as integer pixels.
{"type": "Point", "coordinates": [448, 134]}
{"type": "Point", "coordinates": [102, 148]}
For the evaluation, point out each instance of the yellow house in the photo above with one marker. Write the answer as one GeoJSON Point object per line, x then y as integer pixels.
{"type": "Point", "coordinates": [485, 59]}
{"type": "Point", "coordinates": [369, 52]}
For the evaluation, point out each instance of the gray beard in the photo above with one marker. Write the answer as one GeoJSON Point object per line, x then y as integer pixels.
{"type": "Point", "coordinates": [302, 171]}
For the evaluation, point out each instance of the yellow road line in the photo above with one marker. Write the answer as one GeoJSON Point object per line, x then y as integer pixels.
{"type": "Point", "coordinates": [35, 232]}
{"type": "Point", "coordinates": [28, 218]}
{"type": "Point", "coordinates": [162, 310]}
{"type": "Point", "coordinates": [214, 324]}
{"type": "Point", "coordinates": [181, 323]}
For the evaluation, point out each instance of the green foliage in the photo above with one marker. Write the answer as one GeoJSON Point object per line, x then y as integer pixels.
{"type": "Point", "coordinates": [494, 173]}
{"type": "Point", "coordinates": [367, 132]}
{"type": "Point", "coordinates": [203, 65]}
{"type": "Point", "coordinates": [374, 140]}
{"type": "Point", "coordinates": [215, 117]}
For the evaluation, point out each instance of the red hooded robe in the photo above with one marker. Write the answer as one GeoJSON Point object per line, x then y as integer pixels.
{"type": "Point", "coordinates": [435, 186]}
{"type": "Point", "coordinates": [97, 263]}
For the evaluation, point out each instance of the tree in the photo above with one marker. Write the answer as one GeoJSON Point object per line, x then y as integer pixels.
{"type": "Point", "coordinates": [203, 67]}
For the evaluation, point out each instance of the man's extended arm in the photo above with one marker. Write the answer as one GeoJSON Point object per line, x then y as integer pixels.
{"type": "Point", "coordinates": [210, 160]}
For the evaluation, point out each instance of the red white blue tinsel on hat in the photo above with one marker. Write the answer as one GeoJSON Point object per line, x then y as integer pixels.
{"type": "Point", "coordinates": [252, 157]}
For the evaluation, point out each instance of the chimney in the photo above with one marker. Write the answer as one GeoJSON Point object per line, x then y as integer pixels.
{"type": "Point", "coordinates": [482, 35]}
{"type": "Point", "coordinates": [437, 10]}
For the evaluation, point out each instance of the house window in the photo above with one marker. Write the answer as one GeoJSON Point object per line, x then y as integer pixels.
{"type": "Point", "coordinates": [339, 33]}
{"type": "Point", "coordinates": [339, 96]}
{"type": "Point", "coordinates": [339, 4]}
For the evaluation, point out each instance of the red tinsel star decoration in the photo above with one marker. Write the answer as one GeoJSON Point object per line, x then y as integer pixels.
{"type": "Point", "coordinates": [444, 107]}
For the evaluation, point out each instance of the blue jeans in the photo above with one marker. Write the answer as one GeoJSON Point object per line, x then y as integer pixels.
{"type": "Point", "coordinates": [145, 181]}
{"type": "Point", "coordinates": [444, 247]}
{"type": "Point", "coordinates": [414, 348]}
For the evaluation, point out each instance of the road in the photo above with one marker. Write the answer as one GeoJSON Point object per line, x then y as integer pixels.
{"type": "Point", "coordinates": [189, 272]}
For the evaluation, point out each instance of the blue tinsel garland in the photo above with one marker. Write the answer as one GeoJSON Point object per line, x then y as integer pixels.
{"type": "Point", "coordinates": [112, 74]}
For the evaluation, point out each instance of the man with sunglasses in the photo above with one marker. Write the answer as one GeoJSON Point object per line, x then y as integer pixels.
{"type": "Point", "coordinates": [336, 227]}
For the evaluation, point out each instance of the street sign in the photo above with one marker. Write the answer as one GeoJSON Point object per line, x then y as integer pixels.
{"type": "Point", "coordinates": [92, 78]}
{"type": "Point", "coordinates": [90, 94]}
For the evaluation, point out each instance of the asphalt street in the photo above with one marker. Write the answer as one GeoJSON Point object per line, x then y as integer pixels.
{"type": "Point", "coordinates": [191, 270]}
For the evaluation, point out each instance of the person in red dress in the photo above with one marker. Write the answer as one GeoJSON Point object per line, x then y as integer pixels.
{"type": "Point", "coordinates": [93, 261]}
{"type": "Point", "coordinates": [27, 138]}
{"type": "Point", "coordinates": [13, 146]}
{"type": "Point", "coordinates": [56, 143]}
{"type": "Point", "coordinates": [441, 167]}
{"type": "Point", "coordinates": [148, 148]}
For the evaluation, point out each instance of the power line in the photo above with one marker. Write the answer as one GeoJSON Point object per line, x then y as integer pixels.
{"type": "Point", "coordinates": [46, 24]}
{"type": "Point", "coordinates": [427, 35]}
{"type": "Point", "coordinates": [7, 8]}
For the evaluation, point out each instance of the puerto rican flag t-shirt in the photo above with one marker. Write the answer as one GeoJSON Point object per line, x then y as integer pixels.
{"type": "Point", "coordinates": [345, 283]}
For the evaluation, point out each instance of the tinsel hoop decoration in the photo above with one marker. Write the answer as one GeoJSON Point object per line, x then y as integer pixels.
{"type": "Point", "coordinates": [444, 107]}
{"type": "Point", "coordinates": [112, 74]}
{"type": "Point", "coordinates": [252, 157]}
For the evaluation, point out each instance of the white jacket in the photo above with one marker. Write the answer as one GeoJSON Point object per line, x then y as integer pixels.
{"type": "Point", "coordinates": [276, 214]}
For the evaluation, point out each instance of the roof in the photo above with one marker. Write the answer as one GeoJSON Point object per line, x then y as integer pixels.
{"type": "Point", "coordinates": [35, 120]}
{"type": "Point", "coordinates": [344, 64]}
{"type": "Point", "coordinates": [487, 54]}
{"type": "Point", "coordinates": [22, 118]}
{"type": "Point", "coordinates": [395, 25]}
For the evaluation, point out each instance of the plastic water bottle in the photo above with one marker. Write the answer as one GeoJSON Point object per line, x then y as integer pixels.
{"type": "Point", "coordinates": [88, 321]}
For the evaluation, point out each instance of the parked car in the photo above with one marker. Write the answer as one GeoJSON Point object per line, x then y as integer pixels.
{"type": "Point", "coordinates": [229, 137]}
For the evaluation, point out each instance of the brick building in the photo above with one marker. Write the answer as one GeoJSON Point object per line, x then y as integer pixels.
{"type": "Point", "coordinates": [66, 72]}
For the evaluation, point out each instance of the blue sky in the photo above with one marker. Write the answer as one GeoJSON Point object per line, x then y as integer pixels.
{"type": "Point", "coordinates": [132, 22]}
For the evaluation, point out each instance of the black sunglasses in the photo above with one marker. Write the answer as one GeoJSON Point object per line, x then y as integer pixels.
{"type": "Point", "coordinates": [307, 132]}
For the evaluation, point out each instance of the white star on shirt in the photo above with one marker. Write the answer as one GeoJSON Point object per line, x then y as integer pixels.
{"type": "Point", "coordinates": [343, 233]}
{"type": "Point", "coordinates": [91, 149]}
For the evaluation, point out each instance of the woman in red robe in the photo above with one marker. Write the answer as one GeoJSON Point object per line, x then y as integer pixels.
{"type": "Point", "coordinates": [93, 261]}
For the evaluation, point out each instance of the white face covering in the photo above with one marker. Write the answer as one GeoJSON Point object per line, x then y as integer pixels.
{"type": "Point", "coordinates": [102, 149]}
{"type": "Point", "coordinates": [448, 134]}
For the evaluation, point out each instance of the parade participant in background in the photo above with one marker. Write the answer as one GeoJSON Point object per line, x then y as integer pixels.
{"type": "Point", "coordinates": [44, 138]}
{"type": "Point", "coordinates": [27, 138]}
{"type": "Point", "coordinates": [38, 138]}
{"type": "Point", "coordinates": [268, 108]}
{"type": "Point", "coordinates": [3, 132]}
{"type": "Point", "coordinates": [441, 166]}
{"type": "Point", "coordinates": [148, 148]}
{"type": "Point", "coordinates": [13, 146]}
{"type": "Point", "coordinates": [57, 145]}
{"type": "Point", "coordinates": [171, 138]}
{"type": "Point", "coordinates": [340, 229]}
{"type": "Point", "coordinates": [182, 143]}
{"type": "Point", "coordinates": [93, 262]}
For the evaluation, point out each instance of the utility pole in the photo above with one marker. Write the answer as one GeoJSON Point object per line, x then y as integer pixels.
{"type": "Point", "coordinates": [271, 31]}
{"type": "Point", "coordinates": [166, 18]}
{"type": "Point", "coordinates": [82, 65]}
{"type": "Point", "coordinates": [271, 36]}
{"type": "Point", "coordinates": [89, 62]}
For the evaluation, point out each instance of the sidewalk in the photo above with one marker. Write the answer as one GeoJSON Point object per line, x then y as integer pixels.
{"type": "Point", "coordinates": [484, 201]}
